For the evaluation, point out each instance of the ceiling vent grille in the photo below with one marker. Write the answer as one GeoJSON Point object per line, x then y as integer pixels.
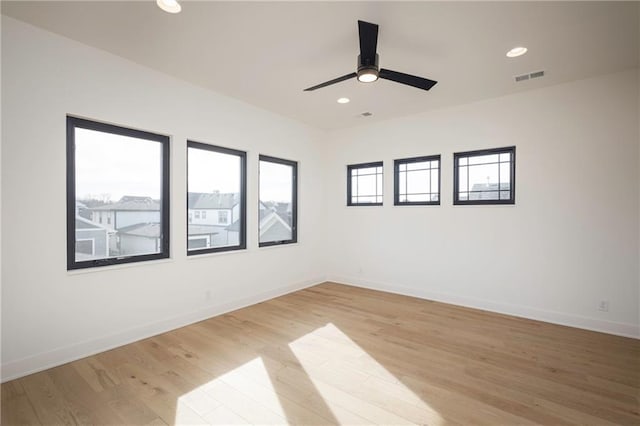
{"type": "Point", "coordinates": [529, 76]}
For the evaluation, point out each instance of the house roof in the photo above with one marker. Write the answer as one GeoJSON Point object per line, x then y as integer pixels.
{"type": "Point", "coordinates": [131, 203]}
{"type": "Point", "coordinates": [202, 230]}
{"type": "Point", "coordinates": [82, 223]}
{"type": "Point", "coordinates": [235, 226]}
{"type": "Point", "coordinates": [212, 200]}
{"type": "Point", "coordinates": [487, 191]}
{"type": "Point", "coordinates": [147, 230]}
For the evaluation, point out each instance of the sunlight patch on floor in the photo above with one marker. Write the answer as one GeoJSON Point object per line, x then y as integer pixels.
{"type": "Point", "coordinates": [346, 376]}
{"type": "Point", "coordinates": [241, 396]}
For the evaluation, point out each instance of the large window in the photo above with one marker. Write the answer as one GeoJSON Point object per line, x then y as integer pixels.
{"type": "Point", "coordinates": [417, 181]}
{"type": "Point", "coordinates": [277, 206]}
{"type": "Point", "coordinates": [364, 184]}
{"type": "Point", "coordinates": [216, 199]}
{"type": "Point", "coordinates": [117, 194]}
{"type": "Point", "coordinates": [485, 177]}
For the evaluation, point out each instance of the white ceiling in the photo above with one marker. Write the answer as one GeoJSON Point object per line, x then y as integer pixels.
{"type": "Point", "coordinates": [266, 53]}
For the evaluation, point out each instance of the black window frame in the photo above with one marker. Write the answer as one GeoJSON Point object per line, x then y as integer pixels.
{"type": "Point", "coordinates": [396, 180]}
{"type": "Point", "coordinates": [512, 176]}
{"type": "Point", "coordinates": [294, 200]}
{"type": "Point", "coordinates": [242, 239]}
{"type": "Point", "coordinates": [164, 140]}
{"type": "Point", "coordinates": [350, 168]}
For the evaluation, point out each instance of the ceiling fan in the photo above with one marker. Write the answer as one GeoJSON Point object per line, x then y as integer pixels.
{"type": "Point", "coordinates": [368, 69]}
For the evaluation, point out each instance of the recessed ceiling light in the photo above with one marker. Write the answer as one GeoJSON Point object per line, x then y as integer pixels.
{"type": "Point", "coordinates": [516, 51]}
{"type": "Point", "coordinates": [344, 100]}
{"type": "Point", "coordinates": [171, 6]}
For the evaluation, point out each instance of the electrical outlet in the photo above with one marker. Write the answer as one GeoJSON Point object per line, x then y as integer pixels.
{"type": "Point", "coordinates": [207, 295]}
{"type": "Point", "coordinates": [603, 306]}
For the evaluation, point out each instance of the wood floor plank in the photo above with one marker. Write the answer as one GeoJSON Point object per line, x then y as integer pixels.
{"type": "Point", "coordinates": [333, 354]}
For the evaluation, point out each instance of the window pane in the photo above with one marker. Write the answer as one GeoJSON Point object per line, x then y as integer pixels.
{"type": "Point", "coordinates": [483, 177]}
{"type": "Point", "coordinates": [276, 206]}
{"type": "Point", "coordinates": [462, 178]}
{"type": "Point", "coordinates": [214, 202]}
{"type": "Point", "coordinates": [505, 169]}
{"type": "Point", "coordinates": [367, 185]}
{"type": "Point", "coordinates": [402, 183]}
{"type": "Point", "coordinates": [118, 194]}
{"type": "Point", "coordinates": [418, 198]}
{"type": "Point", "coordinates": [418, 182]}
{"type": "Point", "coordinates": [482, 159]}
{"type": "Point", "coordinates": [434, 181]}
{"type": "Point", "coordinates": [418, 165]}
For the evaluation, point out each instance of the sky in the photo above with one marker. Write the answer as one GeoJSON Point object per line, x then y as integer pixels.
{"type": "Point", "coordinates": [109, 166]}
{"type": "Point", "coordinates": [275, 182]}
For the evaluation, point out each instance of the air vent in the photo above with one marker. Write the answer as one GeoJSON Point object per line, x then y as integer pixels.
{"type": "Point", "coordinates": [529, 76]}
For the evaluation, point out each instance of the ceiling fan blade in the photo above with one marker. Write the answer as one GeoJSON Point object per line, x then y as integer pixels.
{"type": "Point", "coordinates": [368, 42]}
{"type": "Point", "coordinates": [409, 80]}
{"type": "Point", "coordinates": [330, 82]}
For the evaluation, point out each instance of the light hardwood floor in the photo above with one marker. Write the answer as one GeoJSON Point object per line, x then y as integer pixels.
{"type": "Point", "coordinates": [336, 354]}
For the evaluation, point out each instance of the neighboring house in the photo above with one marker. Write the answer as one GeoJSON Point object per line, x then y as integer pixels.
{"type": "Point", "coordinates": [201, 236]}
{"type": "Point", "coordinates": [273, 227]}
{"type": "Point", "coordinates": [92, 240]}
{"type": "Point", "coordinates": [136, 221]}
{"type": "Point", "coordinates": [83, 210]}
{"type": "Point", "coordinates": [140, 238]}
{"type": "Point", "coordinates": [211, 214]}
{"type": "Point", "coordinates": [130, 210]}
{"type": "Point", "coordinates": [489, 191]}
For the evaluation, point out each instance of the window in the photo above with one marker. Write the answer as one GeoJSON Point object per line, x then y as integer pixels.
{"type": "Point", "coordinates": [216, 180]}
{"type": "Point", "coordinates": [84, 246]}
{"type": "Point", "coordinates": [485, 177]}
{"type": "Point", "coordinates": [364, 184]}
{"type": "Point", "coordinates": [277, 206]}
{"type": "Point", "coordinates": [223, 216]}
{"type": "Point", "coordinates": [417, 181]}
{"type": "Point", "coordinates": [119, 172]}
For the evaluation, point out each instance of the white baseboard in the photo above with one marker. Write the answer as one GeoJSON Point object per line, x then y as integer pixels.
{"type": "Point", "coordinates": [593, 324]}
{"type": "Point", "coordinates": [33, 364]}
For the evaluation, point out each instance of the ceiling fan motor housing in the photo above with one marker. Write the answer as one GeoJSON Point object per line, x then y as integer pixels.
{"type": "Point", "coordinates": [367, 67]}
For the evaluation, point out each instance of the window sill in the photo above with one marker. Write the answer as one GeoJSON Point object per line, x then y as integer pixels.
{"type": "Point", "coordinates": [119, 266]}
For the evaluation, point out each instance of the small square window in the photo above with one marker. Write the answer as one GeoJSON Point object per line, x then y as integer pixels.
{"type": "Point", "coordinates": [417, 181]}
{"type": "Point", "coordinates": [364, 184]}
{"type": "Point", "coordinates": [485, 177]}
{"type": "Point", "coordinates": [223, 217]}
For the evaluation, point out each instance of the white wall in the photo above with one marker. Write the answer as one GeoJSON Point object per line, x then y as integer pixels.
{"type": "Point", "coordinates": [570, 241]}
{"type": "Point", "coordinates": [50, 315]}
{"type": "Point", "coordinates": [560, 249]}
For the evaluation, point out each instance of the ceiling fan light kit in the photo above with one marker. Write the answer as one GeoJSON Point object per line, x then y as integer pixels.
{"type": "Point", "coordinates": [368, 69]}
